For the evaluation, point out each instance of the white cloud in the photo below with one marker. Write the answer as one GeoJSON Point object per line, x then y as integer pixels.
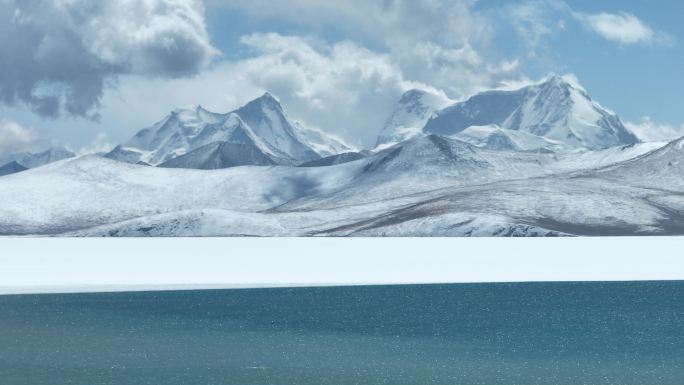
{"type": "Point", "coordinates": [59, 55]}
{"type": "Point", "coordinates": [341, 88]}
{"type": "Point", "coordinates": [445, 22]}
{"type": "Point", "coordinates": [442, 43]}
{"type": "Point", "coordinates": [99, 144]}
{"type": "Point", "coordinates": [623, 28]}
{"type": "Point", "coordinates": [536, 20]}
{"type": "Point", "coordinates": [16, 138]}
{"type": "Point", "coordinates": [649, 131]}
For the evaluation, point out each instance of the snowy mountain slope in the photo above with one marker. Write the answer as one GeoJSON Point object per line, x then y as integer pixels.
{"type": "Point", "coordinates": [334, 159]}
{"type": "Point", "coordinates": [175, 130]}
{"type": "Point", "coordinates": [549, 206]}
{"type": "Point", "coordinates": [91, 191]}
{"type": "Point", "coordinates": [661, 168]}
{"type": "Point", "coordinates": [583, 160]}
{"type": "Point", "coordinates": [426, 164]}
{"type": "Point", "coordinates": [543, 206]}
{"type": "Point", "coordinates": [494, 137]}
{"type": "Point", "coordinates": [421, 164]}
{"type": "Point", "coordinates": [127, 154]}
{"type": "Point", "coordinates": [410, 115]}
{"type": "Point", "coordinates": [266, 118]}
{"type": "Point", "coordinates": [555, 109]}
{"type": "Point", "coordinates": [323, 144]}
{"type": "Point", "coordinates": [261, 123]}
{"type": "Point", "coordinates": [230, 223]}
{"type": "Point", "coordinates": [221, 222]}
{"type": "Point", "coordinates": [428, 185]}
{"type": "Point", "coordinates": [168, 138]}
{"type": "Point", "coordinates": [221, 155]}
{"type": "Point", "coordinates": [192, 223]}
{"type": "Point", "coordinates": [33, 160]}
{"type": "Point", "coordinates": [453, 224]}
{"type": "Point", "coordinates": [11, 168]}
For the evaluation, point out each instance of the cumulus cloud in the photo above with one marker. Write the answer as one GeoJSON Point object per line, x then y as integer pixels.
{"type": "Point", "coordinates": [443, 43]}
{"type": "Point", "coordinates": [649, 131]}
{"type": "Point", "coordinates": [16, 138]}
{"type": "Point", "coordinates": [341, 88]}
{"type": "Point", "coordinates": [58, 56]}
{"type": "Point", "coordinates": [351, 90]}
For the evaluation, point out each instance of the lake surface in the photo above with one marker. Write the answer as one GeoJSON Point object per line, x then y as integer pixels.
{"type": "Point", "coordinates": [523, 333]}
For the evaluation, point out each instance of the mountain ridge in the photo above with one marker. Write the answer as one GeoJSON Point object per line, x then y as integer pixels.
{"type": "Point", "coordinates": [40, 158]}
{"type": "Point", "coordinates": [261, 123]}
{"type": "Point", "coordinates": [12, 167]}
{"type": "Point", "coordinates": [554, 109]}
{"type": "Point", "coordinates": [429, 185]}
{"type": "Point", "coordinates": [410, 115]}
{"type": "Point", "coordinates": [556, 113]}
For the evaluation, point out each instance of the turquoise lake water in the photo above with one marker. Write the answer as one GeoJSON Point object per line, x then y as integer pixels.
{"type": "Point", "coordinates": [525, 333]}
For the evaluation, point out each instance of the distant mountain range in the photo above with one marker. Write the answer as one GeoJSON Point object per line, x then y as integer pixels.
{"type": "Point", "coordinates": [554, 115]}
{"type": "Point", "coordinates": [22, 161]}
{"type": "Point", "coordinates": [11, 168]}
{"type": "Point", "coordinates": [543, 160]}
{"type": "Point", "coordinates": [259, 133]}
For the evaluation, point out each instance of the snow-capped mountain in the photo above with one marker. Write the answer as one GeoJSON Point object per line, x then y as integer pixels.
{"type": "Point", "coordinates": [661, 168]}
{"type": "Point", "coordinates": [11, 168]}
{"type": "Point", "coordinates": [555, 109]}
{"type": "Point", "coordinates": [261, 124]}
{"type": "Point", "coordinates": [332, 160]}
{"type": "Point", "coordinates": [37, 159]}
{"type": "Point", "coordinates": [174, 135]}
{"type": "Point", "coordinates": [544, 160]}
{"type": "Point", "coordinates": [410, 115]}
{"type": "Point", "coordinates": [267, 121]}
{"type": "Point", "coordinates": [428, 185]}
{"type": "Point", "coordinates": [494, 137]}
{"type": "Point", "coordinates": [222, 155]}
{"type": "Point", "coordinates": [322, 143]}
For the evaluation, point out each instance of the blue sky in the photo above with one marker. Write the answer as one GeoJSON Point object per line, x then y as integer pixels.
{"type": "Point", "coordinates": [633, 79]}
{"type": "Point", "coordinates": [338, 66]}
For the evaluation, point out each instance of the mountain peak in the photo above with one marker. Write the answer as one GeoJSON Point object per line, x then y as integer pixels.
{"type": "Point", "coordinates": [257, 107]}
{"type": "Point", "coordinates": [186, 109]}
{"type": "Point", "coordinates": [262, 122]}
{"type": "Point", "coordinates": [555, 79]}
{"type": "Point", "coordinates": [566, 82]}
{"type": "Point", "coordinates": [410, 115]}
{"type": "Point", "coordinates": [412, 96]}
{"type": "Point", "coordinates": [11, 168]}
{"type": "Point", "coordinates": [267, 99]}
{"type": "Point", "coordinates": [35, 159]}
{"type": "Point", "coordinates": [557, 109]}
